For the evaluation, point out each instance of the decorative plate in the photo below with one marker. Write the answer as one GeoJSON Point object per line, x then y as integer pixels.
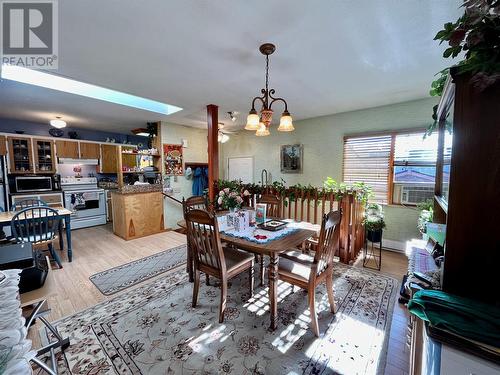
{"type": "Point", "coordinates": [56, 132]}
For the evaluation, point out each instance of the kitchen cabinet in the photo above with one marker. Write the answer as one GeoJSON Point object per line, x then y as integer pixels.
{"type": "Point", "coordinates": [67, 149]}
{"type": "Point", "coordinates": [137, 214]}
{"type": "Point", "coordinates": [3, 145]}
{"type": "Point", "coordinates": [44, 156]}
{"type": "Point", "coordinates": [109, 162]}
{"type": "Point", "coordinates": [89, 150]}
{"type": "Point", "coordinates": [20, 155]}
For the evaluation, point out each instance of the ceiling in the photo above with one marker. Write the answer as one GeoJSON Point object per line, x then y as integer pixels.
{"type": "Point", "coordinates": [332, 56]}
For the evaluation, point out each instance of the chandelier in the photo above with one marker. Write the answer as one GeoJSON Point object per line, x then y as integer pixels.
{"type": "Point", "coordinates": [260, 122]}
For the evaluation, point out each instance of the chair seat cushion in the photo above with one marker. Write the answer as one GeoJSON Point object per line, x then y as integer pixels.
{"type": "Point", "coordinates": [298, 256]}
{"type": "Point", "coordinates": [235, 258]}
{"type": "Point", "coordinates": [296, 265]}
{"type": "Point", "coordinates": [39, 237]}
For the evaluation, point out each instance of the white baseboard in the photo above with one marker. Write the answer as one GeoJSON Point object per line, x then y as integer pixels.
{"type": "Point", "coordinates": [394, 245]}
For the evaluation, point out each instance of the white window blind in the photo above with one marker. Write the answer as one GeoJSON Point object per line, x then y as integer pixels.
{"type": "Point", "coordinates": [366, 159]}
{"type": "Point", "coordinates": [413, 150]}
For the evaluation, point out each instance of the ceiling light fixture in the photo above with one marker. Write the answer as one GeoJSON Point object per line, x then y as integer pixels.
{"type": "Point", "coordinates": [232, 115]}
{"type": "Point", "coordinates": [262, 122]}
{"type": "Point", "coordinates": [143, 132]}
{"type": "Point", "coordinates": [58, 123]}
{"type": "Point", "coordinates": [71, 86]}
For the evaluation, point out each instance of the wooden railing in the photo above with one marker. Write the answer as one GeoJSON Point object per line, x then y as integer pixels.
{"type": "Point", "coordinates": [310, 206]}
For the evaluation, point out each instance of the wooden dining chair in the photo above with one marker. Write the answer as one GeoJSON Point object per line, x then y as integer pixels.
{"type": "Point", "coordinates": [211, 258]}
{"type": "Point", "coordinates": [37, 225]}
{"type": "Point", "coordinates": [308, 272]}
{"type": "Point", "coordinates": [192, 203]}
{"type": "Point", "coordinates": [273, 209]}
{"type": "Point", "coordinates": [25, 203]}
{"type": "Point", "coordinates": [273, 203]}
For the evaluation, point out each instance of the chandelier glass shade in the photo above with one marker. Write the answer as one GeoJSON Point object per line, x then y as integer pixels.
{"type": "Point", "coordinates": [262, 131]}
{"type": "Point", "coordinates": [261, 122]}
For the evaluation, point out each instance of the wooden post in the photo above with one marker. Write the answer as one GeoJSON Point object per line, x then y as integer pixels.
{"type": "Point", "coordinates": [213, 149]}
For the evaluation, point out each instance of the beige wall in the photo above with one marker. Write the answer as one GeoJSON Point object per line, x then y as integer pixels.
{"type": "Point", "coordinates": [322, 138]}
{"type": "Point", "coordinates": [195, 152]}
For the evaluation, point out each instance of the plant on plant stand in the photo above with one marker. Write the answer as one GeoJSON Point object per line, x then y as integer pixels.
{"type": "Point", "coordinates": [374, 222]}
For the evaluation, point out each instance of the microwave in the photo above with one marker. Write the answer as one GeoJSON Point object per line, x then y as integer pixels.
{"type": "Point", "coordinates": [28, 184]}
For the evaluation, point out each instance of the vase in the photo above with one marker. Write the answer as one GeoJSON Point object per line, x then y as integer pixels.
{"type": "Point", "coordinates": [374, 235]}
{"type": "Point", "coordinates": [230, 217]}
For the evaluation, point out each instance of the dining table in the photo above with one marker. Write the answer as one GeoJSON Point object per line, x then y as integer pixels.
{"type": "Point", "coordinates": [63, 213]}
{"type": "Point", "coordinates": [271, 249]}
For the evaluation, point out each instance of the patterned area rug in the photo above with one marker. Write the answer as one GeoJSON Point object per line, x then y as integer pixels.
{"type": "Point", "coordinates": [115, 279]}
{"type": "Point", "coordinates": [154, 330]}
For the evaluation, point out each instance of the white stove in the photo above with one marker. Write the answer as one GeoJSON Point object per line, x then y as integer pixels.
{"type": "Point", "coordinates": [85, 199]}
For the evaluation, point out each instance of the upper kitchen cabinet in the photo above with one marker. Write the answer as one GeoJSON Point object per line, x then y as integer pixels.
{"type": "Point", "coordinates": [109, 159]}
{"type": "Point", "coordinates": [3, 145]}
{"type": "Point", "coordinates": [67, 149]}
{"type": "Point", "coordinates": [44, 156]}
{"type": "Point", "coordinates": [89, 150]}
{"type": "Point", "coordinates": [20, 153]}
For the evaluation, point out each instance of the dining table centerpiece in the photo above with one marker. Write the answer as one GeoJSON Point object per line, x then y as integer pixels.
{"type": "Point", "coordinates": [231, 200]}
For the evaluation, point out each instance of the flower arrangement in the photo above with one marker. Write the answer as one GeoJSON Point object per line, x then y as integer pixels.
{"type": "Point", "coordinates": [230, 199]}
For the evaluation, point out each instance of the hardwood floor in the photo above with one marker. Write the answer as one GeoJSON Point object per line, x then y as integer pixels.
{"type": "Point", "coordinates": [97, 249]}
{"type": "Point", "coordinates": [398, 354]}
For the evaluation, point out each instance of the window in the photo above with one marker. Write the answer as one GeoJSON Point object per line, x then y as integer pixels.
{"type": "Point", "coordinates": [366, 159]}
{"type": "Point", "coordinates": [400, 167]}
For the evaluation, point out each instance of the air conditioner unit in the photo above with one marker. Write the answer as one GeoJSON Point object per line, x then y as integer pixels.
{"type": "Point", "coordinates": [411, 194]}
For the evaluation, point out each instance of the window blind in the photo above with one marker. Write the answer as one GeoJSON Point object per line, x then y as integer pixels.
{"type": "Point", "coordinates": [413, 150]}
{"type": "Point", "coordinates": [366, 159]}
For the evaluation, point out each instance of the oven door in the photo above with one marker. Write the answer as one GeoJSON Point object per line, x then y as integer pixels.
{"type": "Point", "coordinates": [87, 203]}
{"type": "Point", "coordinates": [29, 184]}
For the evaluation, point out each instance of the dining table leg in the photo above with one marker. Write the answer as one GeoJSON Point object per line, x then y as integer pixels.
{"type": "Point", "coordinates": [61, 240]}
{"type": "Point", "coordinates": [67, 222]}
{"type": "Point", "coordinates": [273, 290]}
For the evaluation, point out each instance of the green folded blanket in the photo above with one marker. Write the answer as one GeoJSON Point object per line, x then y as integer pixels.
{"type": "Point", "coordinates": [466, 317]}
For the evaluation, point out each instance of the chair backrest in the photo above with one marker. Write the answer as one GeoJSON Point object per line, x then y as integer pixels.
{"type": "Point", "coordinates": [329, 241]}
{"type": "Point", "coordinates": [273, 205]}
{"type": "Point", "coordinates": [30, 202]}
{"type": "Point", "coordinates": [204, 239]}
{"type": "Point", "coordinates": [195, 202]}
{"type": "Point", "coordinates": [35, 224]}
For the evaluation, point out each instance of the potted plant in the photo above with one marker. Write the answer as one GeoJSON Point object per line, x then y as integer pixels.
{"type": "Point", "coordinates": [374, 222]}
{"type": "Point", "coordinates": [475, 37]}
{"type": "Point", "coordinates": [425, 216]}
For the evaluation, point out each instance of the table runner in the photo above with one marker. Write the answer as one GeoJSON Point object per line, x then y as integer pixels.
{"type": "Point", "coordinates": [254, 234]}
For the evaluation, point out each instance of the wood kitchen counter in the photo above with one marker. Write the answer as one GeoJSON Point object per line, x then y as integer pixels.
{"type": "Point", "coordinates": [137, 213]}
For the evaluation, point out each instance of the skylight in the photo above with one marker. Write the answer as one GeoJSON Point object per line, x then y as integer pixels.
{"type": "Point", "coordinates": [50, 81]}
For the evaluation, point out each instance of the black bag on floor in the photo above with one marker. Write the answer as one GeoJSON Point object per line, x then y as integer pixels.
{"type": "Point", "coordinates": [34, 277]}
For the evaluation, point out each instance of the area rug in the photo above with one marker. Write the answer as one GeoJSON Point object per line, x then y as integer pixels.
{"type": "Point", "coordinates": [116, 279]}
{"type": "Point", "coordinates": [155, 330]}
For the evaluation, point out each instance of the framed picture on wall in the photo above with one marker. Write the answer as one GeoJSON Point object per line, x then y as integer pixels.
{"type": "Point", "coordinates": [291, 157]}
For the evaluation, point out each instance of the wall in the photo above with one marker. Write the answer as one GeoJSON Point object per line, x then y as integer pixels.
{"type": "Point", "coordinates": [195, 152]}
{"type": "Point", "coordinates": [42, 129]}
{"type": "Point", "coordinates": [322, 138]}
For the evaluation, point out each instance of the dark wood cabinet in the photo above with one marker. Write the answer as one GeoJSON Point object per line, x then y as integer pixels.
{"type": "Point", "coordinates": [472, 252]}
{"type": "Point", "coordinates": [20, 155]}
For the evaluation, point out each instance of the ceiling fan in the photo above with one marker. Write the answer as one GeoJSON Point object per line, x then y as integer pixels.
{"type": "Point", "coordinates": [223, 136]}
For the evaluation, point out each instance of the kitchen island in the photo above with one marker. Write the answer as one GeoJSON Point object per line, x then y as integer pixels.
{"type": "Point", "coordinates": [137, 210]}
